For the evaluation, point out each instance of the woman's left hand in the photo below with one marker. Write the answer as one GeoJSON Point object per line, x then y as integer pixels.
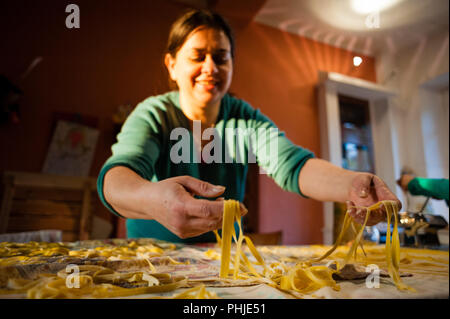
{"type": "Point", "coordinates": [366, 190]}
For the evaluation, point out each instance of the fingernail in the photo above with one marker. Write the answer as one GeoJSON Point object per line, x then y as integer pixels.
{"type": "Point", "coordinates": [218, 188]}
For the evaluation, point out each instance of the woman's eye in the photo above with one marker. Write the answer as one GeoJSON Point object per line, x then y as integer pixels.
{"type": "Point", "coordinates": [198, 59]}
{"type": "Point", "coordinates": [220, 59]}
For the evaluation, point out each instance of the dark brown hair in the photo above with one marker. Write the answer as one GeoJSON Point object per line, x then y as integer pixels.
{"type": "Point", "coordinates": [190, 21]}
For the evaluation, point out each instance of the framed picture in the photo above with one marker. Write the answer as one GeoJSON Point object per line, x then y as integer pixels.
{"type": "Point", "coordinates": [71, 149]}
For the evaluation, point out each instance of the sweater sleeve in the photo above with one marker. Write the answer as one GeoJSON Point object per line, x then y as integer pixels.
{"type": "Point", "coordinates": [281, 159]}
{"type": "Point", "coordinates": [137, 148]}
{"type": "Point", "coordinates": [432, 187]}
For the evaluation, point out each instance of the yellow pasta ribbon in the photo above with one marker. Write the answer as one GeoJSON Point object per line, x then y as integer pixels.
{"type": "Point", "coordinates": [304, 277]}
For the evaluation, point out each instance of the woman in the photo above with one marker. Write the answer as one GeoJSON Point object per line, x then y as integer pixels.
{"type": "Point", "coordinates": [168, 196]}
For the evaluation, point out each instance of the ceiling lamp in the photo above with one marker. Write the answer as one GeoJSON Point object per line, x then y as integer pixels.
{"type": "Point", "coordinates": [357, 60]}
{"type": "Point", "coordinates": [370, 6]}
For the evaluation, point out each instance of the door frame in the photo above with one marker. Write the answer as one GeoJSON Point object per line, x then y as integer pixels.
{"type": "Point", "coordinates": [384, 133]}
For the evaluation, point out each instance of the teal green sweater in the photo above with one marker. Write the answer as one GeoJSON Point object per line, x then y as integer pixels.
{"type": "Point", "coordinates": [145, 144]}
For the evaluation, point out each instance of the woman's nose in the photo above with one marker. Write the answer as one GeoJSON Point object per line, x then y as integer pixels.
{"type": "Point", "coordinates": [209, 66]}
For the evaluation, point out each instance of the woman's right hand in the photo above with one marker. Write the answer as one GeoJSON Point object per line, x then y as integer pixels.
{"type": "Point", "coordinates": [178, 210]}
{"type": "Point", "coordinates": [171, 201]}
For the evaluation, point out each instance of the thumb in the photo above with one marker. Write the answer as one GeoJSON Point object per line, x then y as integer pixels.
{"type": "Point", "coordinates": [199, 187]}
{"type": "Point", "coordinates": [362, 185]}
{"type": "Point", "coordinates": [364, 192]}
{"type": "Point", "coordinates": [244, 209]}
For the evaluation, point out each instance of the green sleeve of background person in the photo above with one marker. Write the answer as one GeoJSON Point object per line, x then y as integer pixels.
{"type": "Point", "coordinates": [430, 187]}
{"type": "Point", "coordinates": [145, 142]}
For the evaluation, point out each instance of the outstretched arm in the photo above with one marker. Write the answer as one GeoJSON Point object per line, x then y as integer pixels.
{"type": "Point", "coordinates": [324, 181]}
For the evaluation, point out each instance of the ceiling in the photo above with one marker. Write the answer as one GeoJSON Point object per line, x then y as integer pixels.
{"type": "Point", "coordinates": [368, 27]}
{"type": "Point", "coordinates": [357, 25]}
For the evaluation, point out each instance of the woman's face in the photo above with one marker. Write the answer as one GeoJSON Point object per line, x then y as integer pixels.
{"type": "Point", "coordinates": [202, 67]}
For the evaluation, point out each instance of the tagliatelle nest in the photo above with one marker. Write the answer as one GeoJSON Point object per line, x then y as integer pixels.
{"type": "Point", "coordinates": [90, 281]}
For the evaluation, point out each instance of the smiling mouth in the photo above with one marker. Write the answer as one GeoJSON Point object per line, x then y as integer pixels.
{"type": "Point", "coordinates": [207, 84]}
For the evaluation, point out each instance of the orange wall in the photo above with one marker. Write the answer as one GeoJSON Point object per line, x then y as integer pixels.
{"type": "Point", "coordinates": [277, 72]}
{"type": "Point", "coordinates": [116, 58]}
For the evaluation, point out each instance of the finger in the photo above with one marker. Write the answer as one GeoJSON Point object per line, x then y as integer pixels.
{"type": "Point", "coordinates": [201, 225]}
{"type": "Point", "coordinates": [399, 204]}
{"type": "Point", "coordinates": [199, 187]}
{"type": "Point", "coordinates": [358, 215]}
{"type": "Point", "coordinates": [350, 207]}
{"type": "Point", "coordinates": [203, 208]}
{"type": "Point", "coordinates": [379, 216]}
{"type": "Point", "coordinates": [361, 215]}
{"type": "Point", "coordinates": [383, 192]}
{"type": "Point", "coordinates": [354, 214]}
{"type": "Point", "coordinates": [376, 217]}
{"type": "Point", "coordinates": [244, 209]}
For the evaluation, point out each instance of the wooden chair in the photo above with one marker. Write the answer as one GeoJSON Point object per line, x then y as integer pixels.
{"type": "Point", "coordinates": [273, 238]}
{"type": "Point", "coordinates": [35, 201]}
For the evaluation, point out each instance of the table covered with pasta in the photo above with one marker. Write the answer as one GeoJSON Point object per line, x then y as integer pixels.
{"type": "Point", "coordinates": [147, 268]}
